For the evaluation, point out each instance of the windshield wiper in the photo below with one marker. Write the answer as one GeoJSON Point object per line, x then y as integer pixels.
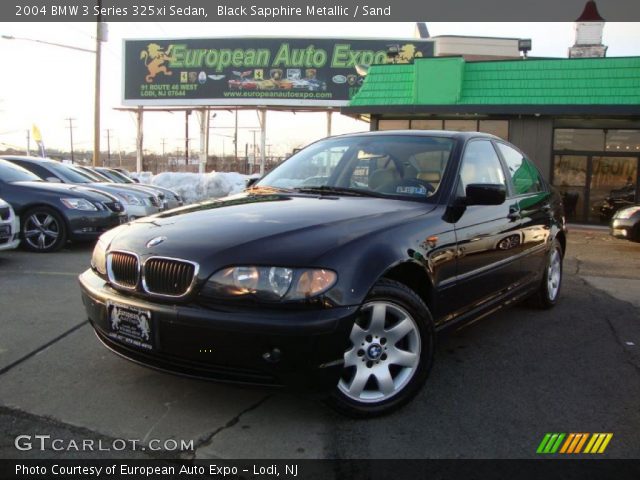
{"type": "Point", "coordinates": [268, 189]}
{"type": "Point", "coordinates": [356, 192]}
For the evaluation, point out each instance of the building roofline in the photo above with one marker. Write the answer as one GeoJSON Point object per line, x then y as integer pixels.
{"type": "Point", "coordinates": [624, 110]}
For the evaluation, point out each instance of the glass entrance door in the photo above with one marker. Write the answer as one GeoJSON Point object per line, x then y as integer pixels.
{"type": "Point", "coordinates": [570, 178]}
{"type": "Point", "coordinates": [612, 186]}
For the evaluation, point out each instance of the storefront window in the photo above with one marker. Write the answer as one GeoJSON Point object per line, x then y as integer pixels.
{"type": "Point", "coordinates": [393, 124]}
{"type": "Point", "coordinates": [426, 124]}
{"type": "Point", "coordinates": [578, 139]}
{"type": "Point", "coordinates": [461, 125]}
{"type": "Point", "coordinates": [623, 141]}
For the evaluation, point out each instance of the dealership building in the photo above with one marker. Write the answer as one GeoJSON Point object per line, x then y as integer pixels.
{"type": "Point", "coordinates": [578, 118]}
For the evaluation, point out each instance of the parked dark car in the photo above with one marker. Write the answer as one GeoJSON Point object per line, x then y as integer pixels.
{"type": "Point", "coordinates": [626, 223]}
{"type": "Point", "coordinates": [336, 269]}
{"type": "Point", "coordinates": [617, 199]}
{"type": "Point", "coordinates": [50, 214]}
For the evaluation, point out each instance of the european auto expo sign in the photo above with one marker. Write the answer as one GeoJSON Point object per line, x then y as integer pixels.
{"type": "Point", "coordinates": [255, 71]}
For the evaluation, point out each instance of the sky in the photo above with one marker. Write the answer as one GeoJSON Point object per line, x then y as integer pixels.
{"type": "Point", "coordinates": [46, 85]}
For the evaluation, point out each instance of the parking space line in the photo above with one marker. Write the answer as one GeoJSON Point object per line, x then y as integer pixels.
{"type": "Point", "coordinates": [34, 272]}
{"type": "Point", "coordinates": [41, 348]}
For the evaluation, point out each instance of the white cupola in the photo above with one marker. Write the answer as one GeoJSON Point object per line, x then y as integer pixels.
{"type": "Point", "coordinates": [588, 34]}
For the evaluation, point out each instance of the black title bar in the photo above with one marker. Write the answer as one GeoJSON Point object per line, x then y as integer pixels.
{"type": "Point", "coordinates": [311, 10]}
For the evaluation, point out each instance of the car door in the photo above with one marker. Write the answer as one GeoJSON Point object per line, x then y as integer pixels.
{"type": "Point", "coordinates": [486, 235]}
{"type": "Point", "coordinates": [533, 199]}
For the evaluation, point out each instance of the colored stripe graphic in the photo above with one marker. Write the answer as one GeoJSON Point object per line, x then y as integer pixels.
{"type": "Point", "coordinates": [555, 443]}
{"type": "Point", "coordinates": [550, 443]}
{"type": "Point", "coordinates": [598, 443]}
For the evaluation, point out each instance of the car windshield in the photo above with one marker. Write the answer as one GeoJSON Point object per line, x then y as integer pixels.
{"type": "Point", "coordinates": [109, 174]}
{"type": "Point", "coordinates": [406, 166]}
{"type": "Point", "coordinates": [68, 174]}
{"type": "Point", "coordinates": [120, 177]}
{"type": "Point", "coordinates": [99, 175]}
{"type": "Point", "coordinates": [12, 173]}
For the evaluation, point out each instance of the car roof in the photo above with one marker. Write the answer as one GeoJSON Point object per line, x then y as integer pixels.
{"type": "Point", "coordinates": [422, 133]}
{"type": "Point", "coordinates": [30, 159]}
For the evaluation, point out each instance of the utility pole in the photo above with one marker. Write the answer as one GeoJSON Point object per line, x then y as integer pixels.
{"type": "Point", "coordinates": [235, 136]}
{"type": "Point", "coordinates": [186, 136]}
{"type": "Point", "coordinates": [28, 142]}
{"type": "Point", "coordinates": [163, 141]}
{"type": "Point", "coordinates": [101, 34]}
{"type": "Point", "coordinates": [108, 147]}
{"type": "Point", "coordinates": [70, 127]}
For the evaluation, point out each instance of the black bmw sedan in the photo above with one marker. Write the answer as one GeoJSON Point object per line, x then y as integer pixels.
{"type": "Point", "coordinates": [336, 269]}
{"type": "Point", "coordinates": [50, 214]}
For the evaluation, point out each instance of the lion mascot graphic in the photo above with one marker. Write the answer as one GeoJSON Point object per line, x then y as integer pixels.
{"type": "Point", "coordinates": [154, 58]}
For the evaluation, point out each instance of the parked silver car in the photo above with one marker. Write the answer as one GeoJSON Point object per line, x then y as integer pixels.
{"type": "Point", "coordinates": [172, 199]}
{"type": "Point", "coordinates": [99, 176]}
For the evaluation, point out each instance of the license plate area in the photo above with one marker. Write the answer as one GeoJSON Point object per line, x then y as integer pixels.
{"type": "Point", "coordinates": [131, 326]}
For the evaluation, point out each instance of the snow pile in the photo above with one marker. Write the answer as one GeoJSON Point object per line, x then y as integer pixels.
{"type": "Point", "coordinates": [195, 187]}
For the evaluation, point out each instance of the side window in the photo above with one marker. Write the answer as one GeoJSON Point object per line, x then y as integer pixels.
{"type": "Point", "coordinates": [35, 169]}
{"type": "Point", "coordinates": [524, 174]}
{"type": "Point", "coordinates": [480, 164]}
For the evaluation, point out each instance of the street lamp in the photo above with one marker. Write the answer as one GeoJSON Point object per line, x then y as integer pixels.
{"type": "Point", "coordinates": [71, 47]}
{"type": "Point", "coordinates": [101, 36]}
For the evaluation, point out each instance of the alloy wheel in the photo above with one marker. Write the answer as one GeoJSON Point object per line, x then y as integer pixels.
{"type": "Point", "coordinates": [385, 353]}
{"type": "Point", "coordinates": [41, 230]}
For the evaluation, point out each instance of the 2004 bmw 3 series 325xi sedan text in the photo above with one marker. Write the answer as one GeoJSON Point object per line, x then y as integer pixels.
{"type": "Point", "coordinates": [336, 269]}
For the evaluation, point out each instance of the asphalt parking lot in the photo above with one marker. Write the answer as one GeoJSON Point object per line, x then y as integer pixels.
{"type": "Point", "coordinates": [496, 388]}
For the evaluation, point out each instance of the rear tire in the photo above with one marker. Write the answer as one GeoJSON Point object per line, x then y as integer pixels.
{"type": "Point", "coordinates": [43, 230]}
{"type": "Point", "coordinates": [549, 291]}
{"type": "Point", "coordinates": [391, 353]}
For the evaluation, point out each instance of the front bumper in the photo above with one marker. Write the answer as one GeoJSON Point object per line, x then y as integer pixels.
{"type": "Point", "coordinates": [10, 240]}
{"type": "Point", "coordinates": [301, 348]}
{"type": "Point", "coordinates": [623, 227]}
{"type": "Point", "coordinates": [140, 211]}
{"type": "Point", "coordinates": [90, 225]}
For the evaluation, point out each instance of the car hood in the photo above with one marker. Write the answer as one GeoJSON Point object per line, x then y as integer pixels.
{"type": "Point", "coordinates": [278, 229]}
{"type": "Point", "coordinates": [115, 188]}
{"type": "Point", "coordinates": [66, 189]}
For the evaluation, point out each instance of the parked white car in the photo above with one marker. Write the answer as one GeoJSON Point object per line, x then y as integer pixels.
{"type": "Point", "coordinates": [9, 227]}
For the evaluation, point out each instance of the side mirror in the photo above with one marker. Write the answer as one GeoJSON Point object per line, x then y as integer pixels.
{"type": "Point", "coordinates": [252, 181]}
{"type": "Point", "coordinates": [485, 194]}
{"type": "Point", "coordinates": [135, 180]}
{"type": "Point", "coordinates": [53, 180]}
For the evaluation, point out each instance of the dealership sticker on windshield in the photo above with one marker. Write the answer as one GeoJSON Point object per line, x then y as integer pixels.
{"type": "Point", "coordinates": [411, 190]}
{"type": "Point", "coordinates": [130, 325]}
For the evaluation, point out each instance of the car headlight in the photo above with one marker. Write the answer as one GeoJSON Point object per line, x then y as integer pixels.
{"type": "Point", "coordinates": [627, 212]}
{"type": "Point", "coordinates": [78, 204]}
{"type": "Point", "coordinates": [130, 199]}
{"type": "Point", "coordinates": [99, 257]}
{"type": "Point", "coordinates": [269, 283]}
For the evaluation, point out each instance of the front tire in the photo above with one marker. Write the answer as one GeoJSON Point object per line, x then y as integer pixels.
{"type": "Point", "coordinates": [43, 230]}
{"type": "Point", "coordinates": [390, 355]}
